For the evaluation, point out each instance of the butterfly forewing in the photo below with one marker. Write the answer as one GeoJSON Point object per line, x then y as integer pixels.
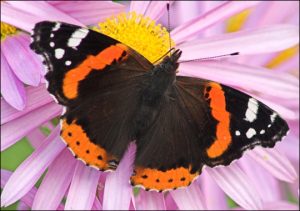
{"type": "Point", "coordinates": [237, 121]}
{"type": "Point", "coordinates": [73, 55]}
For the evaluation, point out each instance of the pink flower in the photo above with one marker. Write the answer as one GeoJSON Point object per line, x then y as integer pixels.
{"type": "Point", "coordinates": [18, 66]}
{"type": "Point", "coordinates": [253, 182]}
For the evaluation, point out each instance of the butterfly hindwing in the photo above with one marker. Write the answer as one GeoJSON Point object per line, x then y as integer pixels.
{"type": "Point", "coordinates": [106, 120]}
{"type": "Point", "coordinates": [167, 154]}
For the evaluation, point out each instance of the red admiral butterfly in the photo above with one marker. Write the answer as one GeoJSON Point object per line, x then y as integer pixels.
{"type": "Point", "coordinates": [113, 95]}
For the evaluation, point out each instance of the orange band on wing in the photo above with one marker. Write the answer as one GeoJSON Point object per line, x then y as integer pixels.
{"type": "Point", "coordinates": [218, 109]}
{"type": "Point", "coordinates": [82, 147]}
{"type": "Point", "coordinates": [98, 62]}
{"type": "Point", "coordinates": [153, 179]}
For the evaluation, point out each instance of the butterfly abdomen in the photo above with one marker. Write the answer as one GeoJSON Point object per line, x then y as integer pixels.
{"type": "Point", "coordinates": [156, 92]}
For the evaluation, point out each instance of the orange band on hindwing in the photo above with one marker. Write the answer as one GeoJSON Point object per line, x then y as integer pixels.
{"type": "Point", "coordinates": [98, 62]}
{"type": "Point", "coordinates": [216, 95]}
{"type": "Point", "coordinates": [154, 179]}
{"type": "Point", "coordinates": [83, 148]}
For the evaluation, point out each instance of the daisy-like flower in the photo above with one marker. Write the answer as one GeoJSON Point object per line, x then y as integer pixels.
{"type": "Point", "coordinates": [252, 182]}
{"type": "Point", "coordinates": [18, 66]}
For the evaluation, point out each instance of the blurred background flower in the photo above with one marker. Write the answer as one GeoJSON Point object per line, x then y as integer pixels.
{"type": "Point", "coordinates": [268, 68]}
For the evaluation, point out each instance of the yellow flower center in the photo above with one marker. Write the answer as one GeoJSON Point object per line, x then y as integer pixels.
{"type": "Point", "coordinates": [138, 32]}
{"type": "Point", "coordinates": [7, 30]}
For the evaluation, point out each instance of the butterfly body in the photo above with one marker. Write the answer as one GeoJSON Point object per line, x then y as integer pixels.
{"type": "Point", "coordinates": [113, 96]}
{"type": "Point", "coordinates": [159, 87]}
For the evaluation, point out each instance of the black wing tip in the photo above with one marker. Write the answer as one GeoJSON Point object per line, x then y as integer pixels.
{"type": "Point", "coordinates": [282, 129]}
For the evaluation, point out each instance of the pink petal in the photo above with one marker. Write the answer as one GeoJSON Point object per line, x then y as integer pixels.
{"type": "Point", "coordinates": [181, 11]}
{"type": "Point", "coordinates": [12, 88]}
{"type": "Point", "coordinates": [11, 15]}
{"type": "Point", "coordinates": [170, 203]}
{"type": "Point", "coordinates": [28, 173]}
{"type": "Point", "coordinates": [271, 12]}
{"type": "Point", "coordinates": [35, 61]}
{"type": "Point", "coordinates": [265, 40]}
{"type": "Point", "coordinates": [90, 12]}
{"type": "Point", "coordinates": [215, 198]}
{"type": "Point", "coordinates": [5, 175]}
{"type": "Point", "coordinates": [150, 201]}
{"type": "Point", "coordinates": [280, 205]}
{"type": "Point", "coordinates": [290, 146]}
{"type": "Point", "coordinates": [189, 198]}
{"type": "Point", "coordinates": [267, 186]}
{"type": "Point", "coordinates": [35, 137]}
{"type": "Point", "coordinates": [97, 204]}
{"type": "Point", "coordinates": [139, 7]}
{"type": "Point", "coordinates": [156, 9]}
{"type": "Point", "coordinates": [218, 14]}
{"type": "Point", "coordinates": [218, 28]}
{"type": "Point", "coordinates": [37, 97]}
{"type": "Point", "coordinates": [100, 188]}
{"type": "Point", "coordinates": [288, 114]}
{"type": "Point", "coordinates": [55, 183]}
{"type": "Point", "coordinates": [286, 86]}
{"type": "Point", "coordinates": [83, 188]}
{"type": "Point", "coordinates": [289, 65]}
{"type": "Point", "coordinates": [118, 191]}
{"type": "Point", "coordinates": [27, 199]}
{"type": "Point", "coordinates": [236, 184]}
{"type": "Point", "coordinates": [20, 60]}
{"type": "Point", "coordinates": [277, 164]}
{"type": "Point", "coordinates": [23, 206]}
{"type": "Point", "coordinates": [13, 131]}
{"type": "Point", "coordinates": [44, 11]}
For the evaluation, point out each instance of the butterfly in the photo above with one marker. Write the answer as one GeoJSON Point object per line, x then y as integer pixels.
{"type": "Point", "coordinates": [112, 96]}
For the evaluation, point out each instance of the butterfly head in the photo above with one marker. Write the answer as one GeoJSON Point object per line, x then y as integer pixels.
{"type": "Point", "coordinates": [170, 63]}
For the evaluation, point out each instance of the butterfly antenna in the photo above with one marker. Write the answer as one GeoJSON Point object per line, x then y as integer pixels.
{"type": "Point", "coordinates": [210, 58]}
{"type": "Point", "coordinates": [170, 44]}
{"type": "Point", "coordinates": [169, 28]}
{"type": "Point", "coordinates": [169, 51]}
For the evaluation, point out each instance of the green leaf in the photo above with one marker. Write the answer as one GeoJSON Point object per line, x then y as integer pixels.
{"type": "Point", "coordinates": [12, 157]}
{"type": "Point", "coordinates": [231, 203]}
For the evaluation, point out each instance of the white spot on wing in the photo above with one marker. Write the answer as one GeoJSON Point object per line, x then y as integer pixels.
{"type": "Point", "coordinates": [251, 112]}
{"type": "Point", "coordinates": [250, 133]}
{"type": "Point", "coordinates": [76, 37]}
{"type": "Point", "coordinates": [59, 53]}
{"type": "Point", "coordinates": [262, 131]}
{"type": "Point", "coordinates": [56, 27]}
{"type": "Point", "coordinates": [237, 133]}
{"type": "Point", "coordinates": [74, 42]}
{"type": "Point", "coordinates": [51, 44]}
{"type": "Point", "coordinates": [68, 63]}
{"type": "Point", "coordinates": [51, 35]}
{"type": "Point", "coordinates": [272, 117]}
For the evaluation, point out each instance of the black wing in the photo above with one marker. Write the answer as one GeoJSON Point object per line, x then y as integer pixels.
{"type": "Point", "coordinates": [242, 121]}
{"type": "Point", "coordinates": [80, 61]}
{"type": "Point", "coordinates": [202, 123]}
{"type": "Point", "coordinates": [97, 79]}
